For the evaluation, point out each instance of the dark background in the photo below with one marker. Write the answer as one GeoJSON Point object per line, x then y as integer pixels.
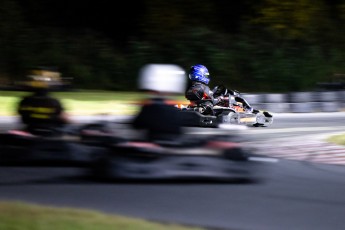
{"type": "Point", "coordinates": [121, 20]}
{"type": "Point", "coordinates": [257, 46]}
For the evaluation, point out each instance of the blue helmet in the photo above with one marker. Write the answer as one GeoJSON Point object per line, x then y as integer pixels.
{"type": "Point", "coordinates": [199, 73]}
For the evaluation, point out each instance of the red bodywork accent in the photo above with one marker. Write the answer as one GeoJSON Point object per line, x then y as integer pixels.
{"type": "Point", "coordinates": [222, 145]}
{"type": "Point", "coordinates": [139, 145]}
{"type": "Point", "coordinates": [20, 133]}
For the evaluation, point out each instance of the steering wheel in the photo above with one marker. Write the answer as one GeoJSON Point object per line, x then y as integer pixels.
{"type": "Point", "coordinates": [220, 90]}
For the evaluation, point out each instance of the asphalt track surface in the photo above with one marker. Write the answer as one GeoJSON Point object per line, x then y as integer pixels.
{"type": "Point", "coordinates": [290, 195]}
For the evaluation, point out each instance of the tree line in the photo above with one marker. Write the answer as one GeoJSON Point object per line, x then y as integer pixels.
{"type": "Point", "coordinates": [253, 46]}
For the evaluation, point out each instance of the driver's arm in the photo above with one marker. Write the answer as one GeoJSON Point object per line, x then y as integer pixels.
{"type": "Point", "coordinates": [217, 99]}
{"type": "Point", "coordinates": [209, 95]}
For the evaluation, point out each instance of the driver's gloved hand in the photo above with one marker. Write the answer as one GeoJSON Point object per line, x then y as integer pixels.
{"type": "Point", "coordinates": [219, 100]}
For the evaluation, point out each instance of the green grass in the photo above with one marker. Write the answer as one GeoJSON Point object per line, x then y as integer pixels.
{"type": "Point", "coordinates": [82, 102]}
{"type": "Point", "coordinates": [337, 139]}
{"type": "Point", "coordinates": [24, 216]}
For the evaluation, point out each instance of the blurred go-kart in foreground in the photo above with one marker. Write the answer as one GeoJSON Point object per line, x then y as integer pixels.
{"type": "Point", "coordinates": [230, 111]}
{"type": "Point", "coordinates": [102, 152]}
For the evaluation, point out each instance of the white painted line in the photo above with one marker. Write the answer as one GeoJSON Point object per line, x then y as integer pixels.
{"type": "Point", "coordinates": [264, 159]}
{"type": "Point", "coordinates": [290, 130]}
{"type": "Point", "coordinates": [232, 127]}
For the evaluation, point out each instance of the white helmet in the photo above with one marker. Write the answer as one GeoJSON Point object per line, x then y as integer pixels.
{"type": "Point", "coordinates": [164, 78]}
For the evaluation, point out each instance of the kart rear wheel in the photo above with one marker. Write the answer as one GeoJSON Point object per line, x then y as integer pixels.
{"type": "Point", "coordinates": [234, 118]}
{"type": "Point", "coordinates": [228, 117]}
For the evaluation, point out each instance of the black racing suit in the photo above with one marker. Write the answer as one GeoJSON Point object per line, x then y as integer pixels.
{"type": "Point", "coordinates": [199, 93]}
{"type": "Point", "coordinates": [40, 111]}
{"type": "Point", "coordinates": [161, 120]}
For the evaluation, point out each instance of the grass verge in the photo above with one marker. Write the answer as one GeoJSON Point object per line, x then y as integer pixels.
{"type": "Point", "coordinates": [338, 139]}
{"type": "Point", "coordinates": [82, 102]}
{"type": "Point", "coordinates": [25, 216]}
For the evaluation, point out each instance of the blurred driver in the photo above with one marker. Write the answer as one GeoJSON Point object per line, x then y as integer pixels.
{"type": "Point", "coordinates": [160, 119]}
{"type": "Point", "coordinates": [39, 111]}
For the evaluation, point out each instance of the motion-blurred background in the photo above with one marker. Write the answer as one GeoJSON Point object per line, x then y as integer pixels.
{"type": "Point", "coordinates": [249, 45]}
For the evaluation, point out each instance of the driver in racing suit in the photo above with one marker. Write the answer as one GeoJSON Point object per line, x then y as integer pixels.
{"type": "Point", "coordinates": [199, 91]}
{"type": "Point", "coordinates": [39, 111]}
{"type": "Point", "coordinates": [161, 120]}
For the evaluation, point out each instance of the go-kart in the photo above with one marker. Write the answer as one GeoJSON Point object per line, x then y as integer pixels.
{"type": "Point", "coordinates": [105, 154]}
{"type": "Point", "coordinates": [233, 109]}
{"type": "Point", "coordinates": [45, 147]}
{"type": "Point", "coordinates": [189, 156]}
